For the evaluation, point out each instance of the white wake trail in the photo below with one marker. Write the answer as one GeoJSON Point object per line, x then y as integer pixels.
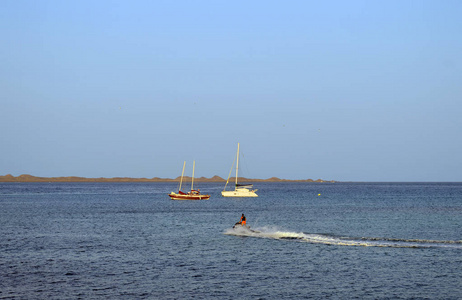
{"type": "Point", "coordinates": [271, 232]}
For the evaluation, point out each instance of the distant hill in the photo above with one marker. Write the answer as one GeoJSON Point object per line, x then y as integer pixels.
{"type": "Point", "coordinates": [30, 178]}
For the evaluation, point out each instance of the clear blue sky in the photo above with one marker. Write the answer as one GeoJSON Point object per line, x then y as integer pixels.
{"type": "Point", "coordinates": [341, 90]}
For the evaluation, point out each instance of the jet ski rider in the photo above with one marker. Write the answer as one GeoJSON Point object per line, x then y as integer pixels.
{"type": "Point", "coordinates": [242, 221]}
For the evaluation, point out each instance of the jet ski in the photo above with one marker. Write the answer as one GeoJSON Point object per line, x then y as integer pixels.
{"type": "Point", "coordinates": [239, 226]}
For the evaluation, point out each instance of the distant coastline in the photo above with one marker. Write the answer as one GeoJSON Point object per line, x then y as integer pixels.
{"type": "Point", "coordinates": [30, 178]}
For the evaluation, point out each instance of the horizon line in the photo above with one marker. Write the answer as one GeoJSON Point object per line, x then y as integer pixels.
{"type": "Point", "coordinates": [215, 178]}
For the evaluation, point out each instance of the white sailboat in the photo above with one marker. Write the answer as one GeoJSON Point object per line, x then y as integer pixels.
{"type": "Point", "coordinates": [240, 190]}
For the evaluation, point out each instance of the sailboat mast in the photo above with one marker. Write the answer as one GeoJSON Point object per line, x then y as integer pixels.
{"type": "Point", "coordinates": [192, 179]}
{"type": "Point", "coordinates": [237, 163]}
{"type": "Point", "coordinates": [182, 173]}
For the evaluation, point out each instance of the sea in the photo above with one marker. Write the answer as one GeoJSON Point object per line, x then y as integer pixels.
{"type": "Point", "coordinates": [308, 241]}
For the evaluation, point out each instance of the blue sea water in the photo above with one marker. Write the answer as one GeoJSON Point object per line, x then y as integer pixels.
{"type": "Point", "coordinates": [312, 240]}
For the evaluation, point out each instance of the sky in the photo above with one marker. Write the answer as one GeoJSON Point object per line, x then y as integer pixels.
{"type": "Point", "coordinates": [333, 90]}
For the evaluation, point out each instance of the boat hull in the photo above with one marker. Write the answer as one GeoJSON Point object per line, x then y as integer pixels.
{"type": "Point", "coordinates": [239, 193]}
{"type": "Point", "coordinates": [175, 196]}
